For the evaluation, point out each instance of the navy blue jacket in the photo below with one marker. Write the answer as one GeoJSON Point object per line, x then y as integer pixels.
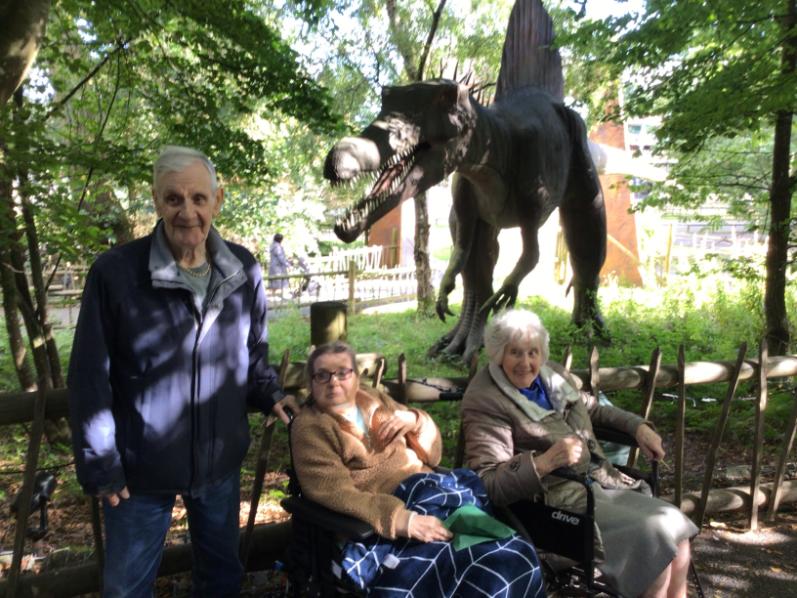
{"type": "Point", "coordinates": [158, 390]}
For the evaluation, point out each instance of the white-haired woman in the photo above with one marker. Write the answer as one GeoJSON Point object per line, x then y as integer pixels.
{"type": "Point", "coordinates": [523, 417]}
{"type": "Point", "coordinates": [358, 452]}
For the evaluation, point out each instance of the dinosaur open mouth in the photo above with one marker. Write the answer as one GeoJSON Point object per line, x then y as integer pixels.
{"type": "Point", "coordinates": [381, 197]}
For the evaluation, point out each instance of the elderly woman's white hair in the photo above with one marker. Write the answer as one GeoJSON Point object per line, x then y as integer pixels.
{"type": "Point", "coordinates": [174, 158]}
{"type": "Point", "coordinates": [514, 325]}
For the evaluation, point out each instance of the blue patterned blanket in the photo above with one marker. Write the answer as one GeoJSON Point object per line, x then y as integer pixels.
{"type": "Point", "coordinates": [505, 568]}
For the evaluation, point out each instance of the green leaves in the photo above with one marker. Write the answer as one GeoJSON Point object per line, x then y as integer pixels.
{"type": "Point", "coordinates": [116, 81]}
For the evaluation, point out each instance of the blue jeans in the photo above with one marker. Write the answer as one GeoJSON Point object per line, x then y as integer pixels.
{"type": "Point", "coordinates": [136, 529]}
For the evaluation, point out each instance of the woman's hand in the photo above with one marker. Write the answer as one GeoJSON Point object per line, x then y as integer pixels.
{"type": "Point", "coordinates": [399, 424]}
{"type": "Point", "coordinates": [427, 528]}
{"type": "Point", "coordinates": [565, 451]}
{"type": "Point", "coordinates": [649, 442]}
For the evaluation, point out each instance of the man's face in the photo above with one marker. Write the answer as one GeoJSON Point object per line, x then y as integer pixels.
{"type": "Point", "coordinates": [186, 202]}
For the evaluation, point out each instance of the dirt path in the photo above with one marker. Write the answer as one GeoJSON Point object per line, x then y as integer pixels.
{"type": "Point", "coordinates": [734, 562]}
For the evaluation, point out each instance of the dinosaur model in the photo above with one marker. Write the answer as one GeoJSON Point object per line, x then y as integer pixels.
{"type": "Point", "coordinates": [514, 162]}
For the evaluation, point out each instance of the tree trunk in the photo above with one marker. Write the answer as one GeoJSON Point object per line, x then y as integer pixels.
{"type": "Point", "coordinates": [22, 24]}
{"type": "Point", "coordinates": [777, 320]}
{"type": "Point", "coordinates": [55, 431]}
{"type": "Point", "coordinates": [34, 257]}
{"type": "Point", "coordinates": [14, 251]}
{"type": "Point", "coordinates": [16, 340]}
{"type": "Point", "coordinates": [423, 271]}
{"type": "Point", "coordinates": [41, 294]}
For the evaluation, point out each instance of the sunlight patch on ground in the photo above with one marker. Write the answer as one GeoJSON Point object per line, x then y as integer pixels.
{"type": "Point", "coordinates": [762, 537]}
{"type": "Point", "coordinates": [267, 512]}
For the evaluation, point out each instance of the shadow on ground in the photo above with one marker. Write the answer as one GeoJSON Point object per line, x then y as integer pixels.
{"type": "Point", "coordinates": [734, 562]}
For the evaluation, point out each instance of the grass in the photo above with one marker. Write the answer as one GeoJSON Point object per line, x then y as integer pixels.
{"type": "Point", "coordinates": [711, 320]}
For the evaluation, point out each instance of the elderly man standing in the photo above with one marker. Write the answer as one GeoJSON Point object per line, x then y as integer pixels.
{"type": "Point", "coordinates": [171, 347]}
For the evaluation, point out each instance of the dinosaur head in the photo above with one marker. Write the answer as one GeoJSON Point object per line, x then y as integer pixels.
{"type": "Point", "coordinates": [419, 137]}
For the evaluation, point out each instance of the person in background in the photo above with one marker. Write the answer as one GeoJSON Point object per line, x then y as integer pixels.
{"type": "Point", "coordinates": [358, 452]}
{"type": "Point", "coordinates": [523, 417]}
{"type": "Point", "coordinates": [170, 350]}
{"type": "Point", "coordinates": [277, 266]}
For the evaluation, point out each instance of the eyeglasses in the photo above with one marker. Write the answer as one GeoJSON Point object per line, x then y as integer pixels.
{"type": "Point", "coordinates": [323, 376]}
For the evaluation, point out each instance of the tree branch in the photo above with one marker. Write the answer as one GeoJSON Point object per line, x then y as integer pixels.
{"type": "Point", "coordinates": [427, 47]}
{"type": "Point", "coordinates": [90, 173]}
{"type": "Point", "coordinates": [60, 104]}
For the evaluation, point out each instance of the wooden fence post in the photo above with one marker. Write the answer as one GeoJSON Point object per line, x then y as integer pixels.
{"type": "Point", "coordinates": [352, 285]}
{"type": "Point", "coordinates": [788, 442]}
{"type": "Point", "coordinates": [647, 397]}
{"type": "Point", "coordinates": [758, 443]}
{"type": "Point", "coordinates": [402, 378]}
{"type": "Point", "coordinates": [96, 530]}
{"type": "Point", "coordinates": [567, 358]}
{"type": "Point", "coordinates": [23, 505]}
{"type": "Point", "coordinates": [379, 371]}
{"type": "Point", "coordinates": [327, 322]}
{"type": "Point", "coordinates": [711, 457]}
{"type": "Point", "coordinates": [261, 467]}
{"type": "Point", "coordinates": [594, 382]}
{"type": "Point", "coordinates": [680, 421]}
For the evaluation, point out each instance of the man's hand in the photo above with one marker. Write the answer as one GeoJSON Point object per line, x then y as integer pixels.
{"type": "Point", "coordinates": [114, 498]}
{"type": "Point", "coordinates": [288, 401]}
{"type": "Point", "coordinates": [428, 528]}
{"type": "Point", "coordinates": [649, 442]}
{"type": "Point", "coordinates": [399, 424]}
{"type": "Point", "coordinates": [565, 451]}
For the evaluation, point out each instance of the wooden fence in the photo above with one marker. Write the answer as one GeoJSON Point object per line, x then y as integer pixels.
{"type": "Point", "coordinates": [355, 277]}
{"type": "Point", "coordinates": [358, 288]}
{"type": "Point", "coordinates": [264, 542]}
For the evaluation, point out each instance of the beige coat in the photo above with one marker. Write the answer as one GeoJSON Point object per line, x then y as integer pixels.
{"type": "Point", "coordinates": [504, 431]}
{"type": "Point", "coordinates": [339, 468]}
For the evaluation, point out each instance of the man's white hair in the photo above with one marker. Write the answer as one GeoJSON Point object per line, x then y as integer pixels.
{"type": "Point", "coordinates": [174, 158]}
{"type": "Point", "coordinates": [514, 325]}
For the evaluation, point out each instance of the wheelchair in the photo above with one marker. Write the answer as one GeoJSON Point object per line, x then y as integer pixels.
{"type": "Point", "coordinates": [565, 540]}
{"type": "Point", "coordinates": [317, 535]}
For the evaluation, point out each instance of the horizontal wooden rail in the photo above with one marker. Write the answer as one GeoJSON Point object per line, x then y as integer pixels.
{"type": "Point", "coordinates": [697, 372]}
{"type": "Point", "coordinates": [17, 407]}
{"type": "Point", "coordinates": [736, 498]}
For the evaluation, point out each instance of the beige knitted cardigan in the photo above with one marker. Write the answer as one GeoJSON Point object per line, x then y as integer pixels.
{"type": "Point", "coordinates": [339, 468]}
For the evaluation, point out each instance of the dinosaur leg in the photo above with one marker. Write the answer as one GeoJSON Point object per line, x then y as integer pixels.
{"type": "Point", "coordinates": [462, 224]}
{"type": "Point", "coordinates": [529, 224]}
{"type": "Point", "coordinates": [584, 225]}
{"type": "Point", "coordinates": [465, 339]}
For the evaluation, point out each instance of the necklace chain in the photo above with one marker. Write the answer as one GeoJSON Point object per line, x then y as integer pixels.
{"type": "Point", "coordinates": [202, 274]}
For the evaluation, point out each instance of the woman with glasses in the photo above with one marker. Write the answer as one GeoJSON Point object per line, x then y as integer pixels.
{"type": "Point", "coordinates": [358, 452]}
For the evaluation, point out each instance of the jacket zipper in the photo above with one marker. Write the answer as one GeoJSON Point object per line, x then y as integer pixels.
{"type": "Point", "coordinates": [194, 391]}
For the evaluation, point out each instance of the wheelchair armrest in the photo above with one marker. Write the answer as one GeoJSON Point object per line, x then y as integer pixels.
{"type": "Point", "coordinates": [614, 435]}
{"type": "Point", "coordinates": [569, 473]}
{"type": "Point", "coordinates": [651, 477]}
{"type": "Point", "coordinates": [349, 527]}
